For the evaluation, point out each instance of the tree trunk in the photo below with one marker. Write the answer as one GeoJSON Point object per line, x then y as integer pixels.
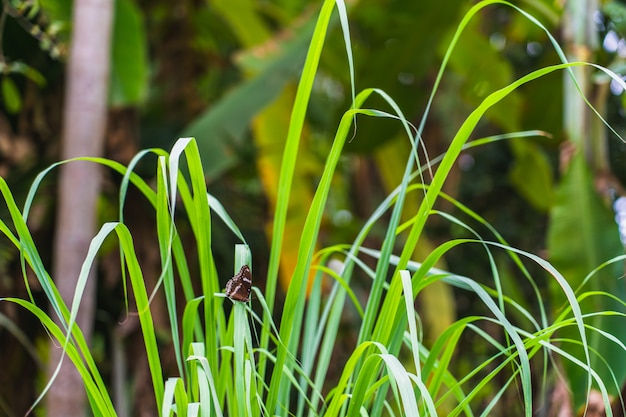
{"type": "Point", "coordinates": [79, 182]}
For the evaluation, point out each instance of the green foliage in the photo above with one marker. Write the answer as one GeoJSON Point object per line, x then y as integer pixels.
{"type": "Point", "coordinates": [129, 63]}
{"type": "Point", "coordinates": [577, 247]}
{"type": "Point", "coordinates": [532, 175]}
{"type": "Point", "coordinates": [10, 95]}
{"type": "Point", "coordinates": [226, 366]}
{"type": "Point", "coordinates": [617, 12]}
{"type": "Point", "coordinates": [222, 128]}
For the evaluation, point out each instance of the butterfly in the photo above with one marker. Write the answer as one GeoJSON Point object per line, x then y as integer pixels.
{"type": "Point", "coordinates": [238, 287]}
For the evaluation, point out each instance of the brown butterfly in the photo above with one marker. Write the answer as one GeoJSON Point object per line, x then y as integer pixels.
{"type": "Point", "coordinates": [238, 287]}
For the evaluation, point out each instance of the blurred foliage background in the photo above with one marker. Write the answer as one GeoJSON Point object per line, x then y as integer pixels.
{"type": "Point", "coordinates": [225, 72]}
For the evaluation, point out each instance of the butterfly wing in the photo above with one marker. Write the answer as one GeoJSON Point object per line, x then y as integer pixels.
{"type": "Point", "coordinates": [238, 287]}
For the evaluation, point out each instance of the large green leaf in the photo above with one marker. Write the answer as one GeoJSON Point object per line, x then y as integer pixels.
{"type": "Point", "coordinates": [581, 236]}
{"type": "Point", "coordinates": [222, 128]}
{"type": "Point", "coordinates": [129, 63]}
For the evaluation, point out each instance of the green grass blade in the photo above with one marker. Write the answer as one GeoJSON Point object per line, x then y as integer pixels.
{"type": "Point", "coordinates": [93, 383]}
{"type": "Point", "coordinates": [143, 310]}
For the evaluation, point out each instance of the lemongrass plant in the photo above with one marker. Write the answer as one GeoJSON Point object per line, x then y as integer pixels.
{"type": "Point", "coordinates": [254, 365]}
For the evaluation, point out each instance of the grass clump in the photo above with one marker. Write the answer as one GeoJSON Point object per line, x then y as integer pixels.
{"type": "Point", "coordinates": [249, 363]}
